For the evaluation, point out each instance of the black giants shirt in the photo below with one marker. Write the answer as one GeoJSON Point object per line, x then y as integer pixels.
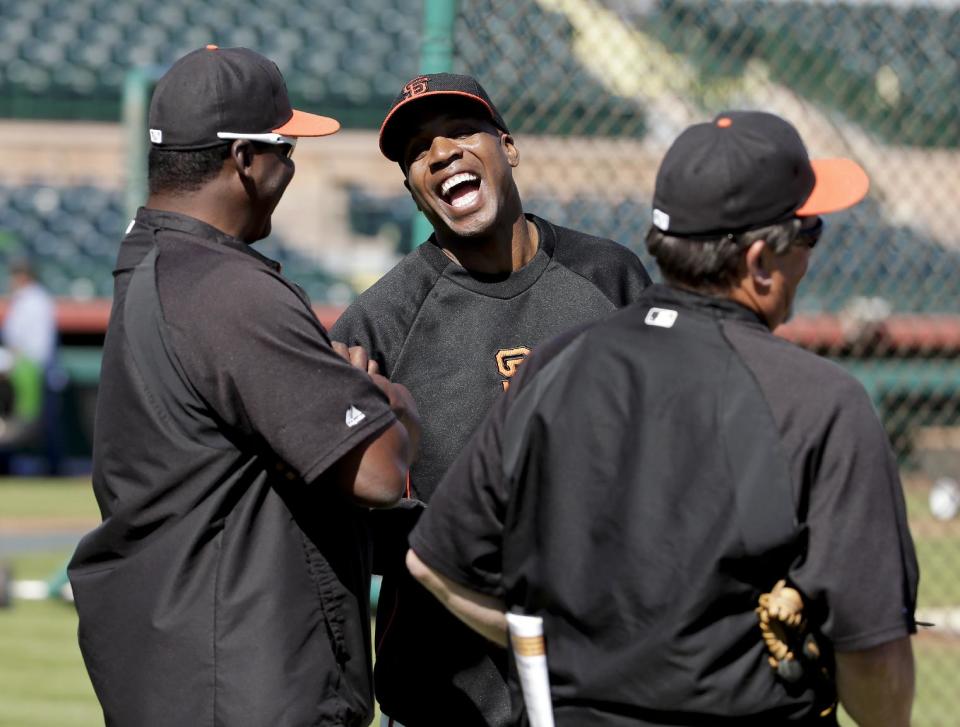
{"type": "Point", "coordinates": [644, 480]}
{"type": "Point", "coordinates": [228, 583]}
{"type": "Point", "coordinates": [455, 339]}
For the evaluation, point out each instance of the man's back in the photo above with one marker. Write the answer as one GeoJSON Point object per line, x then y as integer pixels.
{"type": "Point", "coordinates": [644, 557]}
{"type": "Point", "coordinates": [226, 579]}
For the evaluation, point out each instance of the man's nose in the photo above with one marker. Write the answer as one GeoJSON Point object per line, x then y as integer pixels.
{"type": "Point", "coordinates": [442, 150]}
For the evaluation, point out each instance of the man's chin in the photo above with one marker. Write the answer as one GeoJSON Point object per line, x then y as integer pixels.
{"type": "Point", "coordinates": [476, 224]}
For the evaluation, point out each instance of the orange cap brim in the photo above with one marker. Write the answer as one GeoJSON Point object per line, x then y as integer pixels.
{"type": "Point", "coordinates": [304, 124]}
{"type": "Point", "coordinates": [840, 183]}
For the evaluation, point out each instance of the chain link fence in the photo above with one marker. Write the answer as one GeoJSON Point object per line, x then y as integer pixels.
{"type": "Point", "coordinates": [595, 90]}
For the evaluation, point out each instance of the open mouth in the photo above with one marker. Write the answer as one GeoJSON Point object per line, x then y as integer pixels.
{"type": "Point", "coordinates": [460, 190]}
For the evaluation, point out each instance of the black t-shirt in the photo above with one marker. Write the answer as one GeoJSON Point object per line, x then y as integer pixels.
{"type": "Point", "coordinates": [645, 479]}
{"type": "Point", "coordinates": [229, 581]}
{"type": "Point", "coordinates": [455, 339]}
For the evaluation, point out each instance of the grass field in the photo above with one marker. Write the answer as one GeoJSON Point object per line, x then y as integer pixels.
{"type": "Point", "coordinates": [43, 682]}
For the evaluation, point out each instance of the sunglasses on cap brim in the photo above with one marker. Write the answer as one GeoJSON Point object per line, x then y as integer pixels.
{"type": "Point", "coordinates": [809, 236]}
{"type": "Point", "coordinates": [270, 138]}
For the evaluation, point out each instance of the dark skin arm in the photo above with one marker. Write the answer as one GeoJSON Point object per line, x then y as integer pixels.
{"type": "Point", "coordinates": [876, 685]}
{"type": "Point", "coordinates": [374, 474]}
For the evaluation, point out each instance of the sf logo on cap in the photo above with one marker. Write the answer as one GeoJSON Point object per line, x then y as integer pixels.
{"type": "Point", "coordinates": [415, 87]}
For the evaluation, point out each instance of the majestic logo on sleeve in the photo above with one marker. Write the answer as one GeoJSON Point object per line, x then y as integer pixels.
{"type": "Point", "coordinates": [417, 86]}
{"type": "Point", "coordinates": [508, 361]}
{"type": "Point", "coordinates": [354, 416]}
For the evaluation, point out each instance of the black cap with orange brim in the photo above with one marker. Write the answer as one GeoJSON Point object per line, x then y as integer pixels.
{"type": "Point", "coordinates": [744, 170]}
{"type": "Point", "coordinates": [422, 95]}
{"type": "Point", "coordinates": [225, 90]}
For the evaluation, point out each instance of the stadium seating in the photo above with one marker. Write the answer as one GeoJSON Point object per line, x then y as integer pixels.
{"type": "Point", "coordinates": [68, 58]}
{"type": "Point", "coordinates": [860, 256]}
{"type": "Point", "coordinates": [350, 58]}
{"type": "Point", "coordinates": [833, 53]}
{"type": "Point", "coordinates": [72, 234]}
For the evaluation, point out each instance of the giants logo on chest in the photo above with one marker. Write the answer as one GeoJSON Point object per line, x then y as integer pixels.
{"type": "Point", "coordinates": [508, 361]}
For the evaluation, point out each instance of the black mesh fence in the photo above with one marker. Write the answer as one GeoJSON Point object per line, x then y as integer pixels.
{"type": "Point", "coordinates": [595, 90]}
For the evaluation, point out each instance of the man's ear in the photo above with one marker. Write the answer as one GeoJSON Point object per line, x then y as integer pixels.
{"type": "Point", "coordinates": [510, 149]}
{"type": "Point", "coordinates": [758, 261]}
{"type": "Point", "coordinates": [242, 153]}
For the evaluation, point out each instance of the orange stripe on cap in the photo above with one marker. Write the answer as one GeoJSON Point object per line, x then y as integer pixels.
{"type": "Point", "coordinates": [211, 46]}
{"type": "Point", "coordinates": [304, 124]}
{"type": "Point", "coordinates": [419, 96]}
{"type": "Point", "coordinates": [724, 122]}
{"type": "Point", "coordinates": [840, 183]}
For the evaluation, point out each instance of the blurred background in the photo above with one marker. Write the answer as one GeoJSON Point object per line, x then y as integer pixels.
{"type": "Point", "coordinates": [594, 91]}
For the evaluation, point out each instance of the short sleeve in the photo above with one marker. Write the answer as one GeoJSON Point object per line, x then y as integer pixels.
{"type": "Point", "coordinates": [860, 567]}
{"type": "Point", "coordinates": [265, 365]}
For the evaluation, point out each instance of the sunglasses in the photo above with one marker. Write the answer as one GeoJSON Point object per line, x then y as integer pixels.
{"type": "Point", "coordinates": [809, 236]}
{"type": "Point", "coordinates": [274, 139]}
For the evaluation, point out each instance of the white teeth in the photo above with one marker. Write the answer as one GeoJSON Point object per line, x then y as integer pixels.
{"type": "Point", "coordinates": [466, 200]}
{"type": "Point", "coordinates": [457, 179]}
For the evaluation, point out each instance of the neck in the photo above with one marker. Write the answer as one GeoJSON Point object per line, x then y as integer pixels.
{"type": "Point", "coordinates": [503, 250]}
{"type": "Point", "coordinates": [748, 299]}
{"type": "Point", "coordinates": [738, 293]}
{"type": "Point", "coordinates": [210, 204]}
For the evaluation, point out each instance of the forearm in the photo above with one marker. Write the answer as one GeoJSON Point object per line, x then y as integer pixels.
{"type": "Point", "coordinates": [876, 685]}
{"type": "Point", "coordinates": [405, 409]}
{"type": "Point", "coordinates": [482, 613]}
{"type": "Point", "coordinates": [374, 473]}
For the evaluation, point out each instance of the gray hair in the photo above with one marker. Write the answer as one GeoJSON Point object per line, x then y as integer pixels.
{"type": "Point", "coordinates": [712, 264]}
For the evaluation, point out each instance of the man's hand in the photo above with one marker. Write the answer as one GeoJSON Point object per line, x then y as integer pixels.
{"type": "Point", "coordinates": [401, 400]}
{"type": "Point", "coordinates": [357, 357]}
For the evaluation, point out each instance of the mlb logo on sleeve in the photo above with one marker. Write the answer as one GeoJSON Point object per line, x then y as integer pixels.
{"type": "Point", "coordinates": [661, 317]}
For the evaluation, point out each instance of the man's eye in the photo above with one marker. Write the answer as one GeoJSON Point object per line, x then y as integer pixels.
{"type": "Point", "coordinates": [415, 152]}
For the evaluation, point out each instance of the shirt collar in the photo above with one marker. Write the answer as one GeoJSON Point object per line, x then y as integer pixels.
{"type": "Point", "coordinates": [165, 220]}
{"type": "Point", "coordinates": [708, 305]}
{"type": "Point", "coordinates": [507, 285]}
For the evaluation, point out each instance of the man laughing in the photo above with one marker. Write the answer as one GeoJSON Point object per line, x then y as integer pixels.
{"type": "Point", "coordinates": [453, 321]}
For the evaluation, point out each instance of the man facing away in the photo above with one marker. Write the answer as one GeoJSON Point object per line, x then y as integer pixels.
{"type": "Point", "coordinates": [648, 477]}
{"type": "Point", "coordinates": [453, 321]}
{"type": "Point", "coordinates": [235, 452]}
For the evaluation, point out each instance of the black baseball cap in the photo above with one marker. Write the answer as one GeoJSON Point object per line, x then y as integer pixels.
{"type": "Point", "coordinates": [225, 90]}
{"type": "Point", "coordinates": [418, 97]}
{"type": "Point", "coordinates": [744, 170]}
